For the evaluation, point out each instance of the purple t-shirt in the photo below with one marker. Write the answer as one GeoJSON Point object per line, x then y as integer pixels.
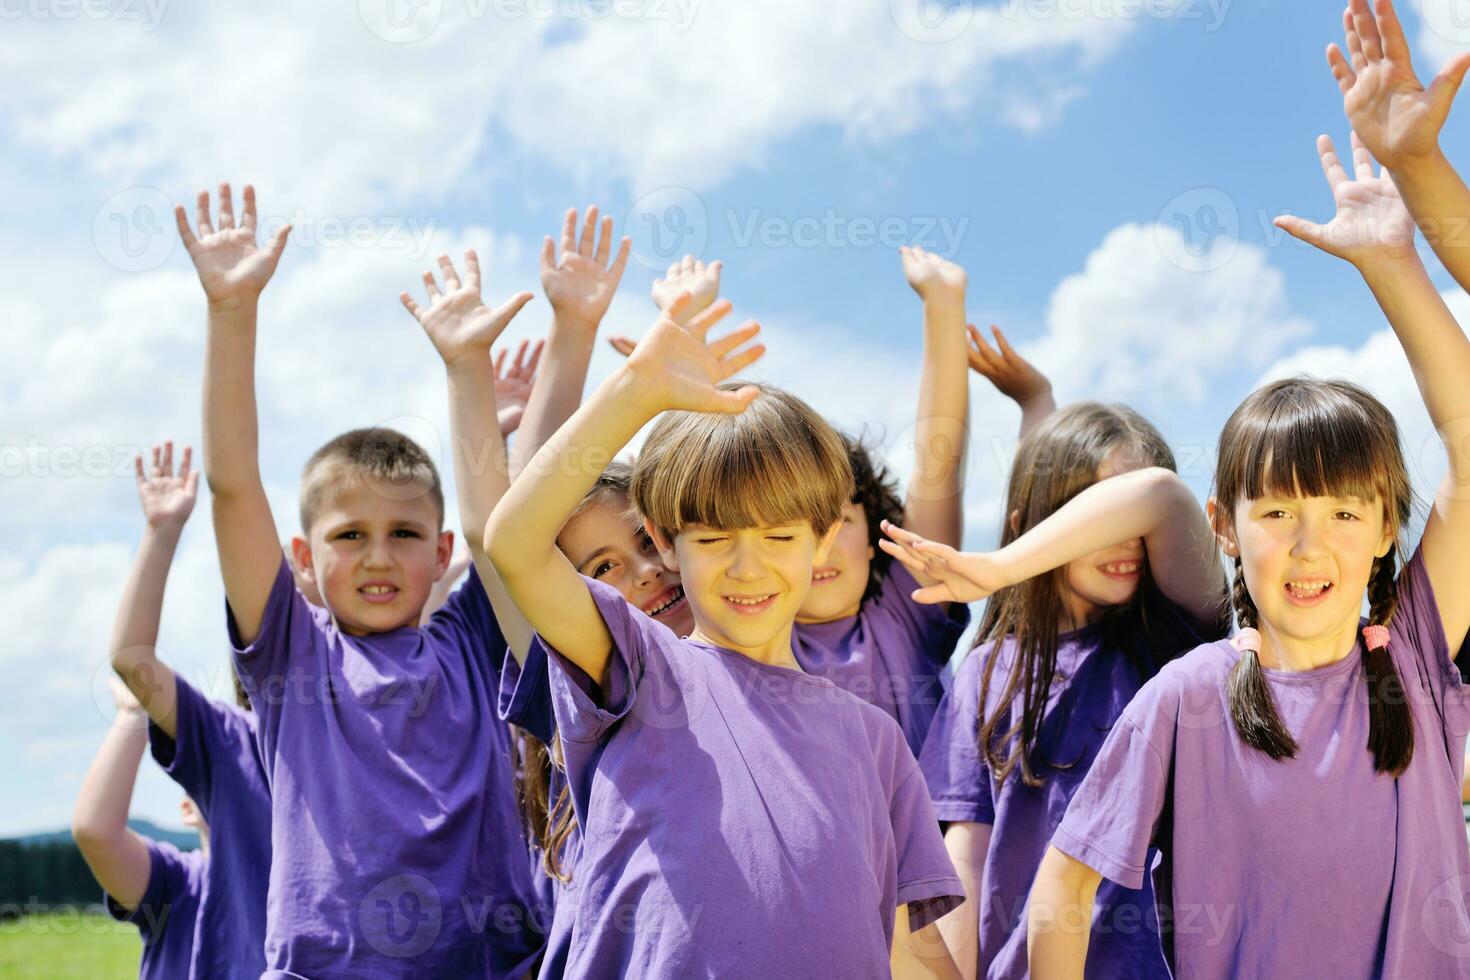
{"type": "Point", "coordinates": [1096, 677]}
{"type": "Point", "coordinates": [397, 847]}
{"type": "Point", "coordinates": [890, 654]}
{"type": "Point", "coordinates": [738, 819]}
{"type": "Point", "coordinates": [525, 701]}
{"type": "Point", "coordinates": [166, 914]}
{"type": "Point", "coordinates": [1311, 866]}
{"type": "Point", "coordinates": [216, 760]}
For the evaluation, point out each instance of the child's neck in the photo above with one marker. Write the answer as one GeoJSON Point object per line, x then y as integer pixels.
{"type": "Point", "coordinates": [776, 653]}
{"type": "Point", "coordinates": [1282, 652]}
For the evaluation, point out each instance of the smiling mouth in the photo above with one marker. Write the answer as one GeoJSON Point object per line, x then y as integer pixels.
{"type": "Point", "coordinates": [664, 602]}
{"type": "Point", "coordinates": [1308, 591]}
{"type": "Point", "coordinates": [1121, 569]}
{"type": "Point", "coordinates": [378, 594]}
{"type": "Point", "coordinates": [749, 605]}
{"type": "Point", "coordinates": [822, 575]}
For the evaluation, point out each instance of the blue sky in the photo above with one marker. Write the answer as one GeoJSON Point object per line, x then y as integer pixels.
{"type": "Point", "coordinates": [1076, 153]}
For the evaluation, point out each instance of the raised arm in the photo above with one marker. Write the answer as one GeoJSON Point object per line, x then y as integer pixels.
{"type": "Point", "coordinates": [1153, 504]}
{"type": "Point", "coordinates": [514, 383]}
{"type": "Point", "coordinates": [1013, 376]}
{"type": "Point", "coordinates": [580, 286]}
{"type": "Point", "coordinates": [699, 279]}
{"type": "Point", "coordinates": [1400, 120]}
{"type": "Point", "coordinates": [117, 856]}
{"type": "Point", "coordinates": [462, 329]}
{"type": "Point", "coordinates": [934, 503]}
{"type": "Point", "coordinates": [1059, 917]}
{"type": "Point", "coordinates": [233, 271]}
{"type": "Point", "coordinates": [167, 500]}
{"type": "Point", "coordinates": [673, 367]}
{"type": "Point", "coordinates": [1373, 230]}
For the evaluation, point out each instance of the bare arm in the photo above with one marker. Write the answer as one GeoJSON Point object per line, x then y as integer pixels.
{"type": "Point", "coordinates": [117, 856]}
{"type": "Point", "coordinates": [233, 271]}
{"type": "Point", "coordinates": [968, 844]}
{"type": "Point", "coordinates": [674, 367]}
{"type": "Point", "coordinates": [579, 286]}
{"type": "Point", "coordinates": [1013, 376]}
{"type": "Point", "coordinates": [1059, 917]}
{"type": "Point", "coordinates": [462, 329]}
{"type": "Point", "coordinates": [919, 955]}
{"type": "Point", "coordinates": [1153, 504]}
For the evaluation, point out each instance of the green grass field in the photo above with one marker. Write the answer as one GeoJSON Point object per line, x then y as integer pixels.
{"type": "Point", "coordinates": [61, 946]}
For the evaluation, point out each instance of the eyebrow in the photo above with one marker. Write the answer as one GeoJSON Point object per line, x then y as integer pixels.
{"type": "Point", "coordinates": [593, 557]}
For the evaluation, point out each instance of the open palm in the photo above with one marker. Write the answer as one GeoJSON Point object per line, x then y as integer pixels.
{"type": "Point", "coordinates": [1371, 221]}
{"type": "Point", "coordinates": [580, 285]}
{"type": "Point", "coordinates": [679, 369]}
{"type": "Point", "coordinates": [958, 576]}
{"type": "Point", "coordinates": [230, 264]}
{"type": "Point", "coordinates": [693, 276]}
{"type": "Point", "coordinates": [167, 497]}
{"type": "Point", "coordinates": [457, 320]}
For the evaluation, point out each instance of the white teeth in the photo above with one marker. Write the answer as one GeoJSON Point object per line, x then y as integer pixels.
{"type": "Point", "coordinates": [377, 589]}
{"type": "Point", "coordinates": [673, 598]}
{"type": "Point", "coordinates": [747, 602]}
{"type": "Point", "coordinates": [1308, 588]}
{"type": "Point", "coordinates": [1121, 567]}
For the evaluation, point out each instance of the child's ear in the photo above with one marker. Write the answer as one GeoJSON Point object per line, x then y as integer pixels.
{"type": "Point", "coordinates": [665, 546]}
{"type": "Point", "coordinates": [824, 543]}
{"type": "Point", "coordinates": [1224, 532]}
{"type": "Point", "coordinates": [300, 555]}
{"type": "Point", "coordinates": [444, 554]}
{"type": "Point", "coordinates": [1015, 522]}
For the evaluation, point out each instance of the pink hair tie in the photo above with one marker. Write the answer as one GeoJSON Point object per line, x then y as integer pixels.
{"type": "Point", "coordinates": [1247, 639]}
{"type": "Point", "coordinates": [1376, 637]}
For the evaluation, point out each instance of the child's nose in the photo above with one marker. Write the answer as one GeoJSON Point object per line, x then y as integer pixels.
{"type": "Point", "coordinates": [746, 565]}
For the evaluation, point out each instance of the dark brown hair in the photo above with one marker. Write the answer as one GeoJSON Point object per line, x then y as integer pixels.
{"type": "Point", "coordinates": [550, 822]}
{"type": "Point", "coordinates": [1304, 437]}
{"type": "Point", "coordinates": [876, 492]}
{"type": "Point", "coordinates": [1058, 460]}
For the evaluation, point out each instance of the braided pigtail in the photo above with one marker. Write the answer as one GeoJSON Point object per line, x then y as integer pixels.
{"type": "Point", "coordinates": [1251, 706]}
{"type": "Point", "coordinates": [1390, 722]}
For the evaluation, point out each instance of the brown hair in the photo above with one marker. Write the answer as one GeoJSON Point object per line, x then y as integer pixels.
{"type": "Point", "coordinates": [550, 822]}
{"type": "Point", "coordinates": [1312, 438]}
{"type": "Point", "coordinates": [774, 463]}
{"type": "Point", "coordinates": [391, 461]}
{"type": "Point", "coordinates": [876, 492]}
{"type": "Point", "coordinates": [1058, 460]}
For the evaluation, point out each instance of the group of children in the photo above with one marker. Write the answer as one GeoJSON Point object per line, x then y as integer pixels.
{"type": "Point", "coordinates": [687, 716]}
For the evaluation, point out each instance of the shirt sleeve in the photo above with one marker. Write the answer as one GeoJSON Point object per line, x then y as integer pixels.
{"type": "Point", "coordinates": [525, 693]}
{"type": "Point", "coordinates": [1420, 650]}
{"type": "Point", "coordinates": [468, 621]}
{"type": "Point", "coordinates": [1113, 817]}
{"type": "Point", "coordinates": [934, 628]}
{"type": "Point", "coordinates": [209, 738]}
{"type": "Point", "coordinates": [169, 882]}
{"type": "Point", "coordinates": [281, 655]}
{"type": "Point", "coordinates": [927, 883]}
{"type": "Point", "coordinates": [586, 711]}
{"type": "Point", "coordinates": [954, 770]}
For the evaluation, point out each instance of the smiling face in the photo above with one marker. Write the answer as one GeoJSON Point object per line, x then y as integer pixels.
{"type": "Point", "coordinates": [606, 542]}
{"type": "Point", "coordinates": [746, 585]}
{"type": "Point", "coordinates": [1307, 561]}
{"type": "Point", "coordinates": [839, 582]}
{"type": "Point", "coordinates": [374, 556]}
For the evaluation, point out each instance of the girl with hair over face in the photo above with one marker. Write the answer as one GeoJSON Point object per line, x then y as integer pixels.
{"type": "Point", "coordinates": [1319, 754]}
{"type": "Point", "coordinates": [1106, 571]}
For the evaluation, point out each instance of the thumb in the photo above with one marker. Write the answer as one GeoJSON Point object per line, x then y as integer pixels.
{"type": "Point", "coordinates": [737, 401]}
{"type": "Point", "coordinates": [1300, 228]}
{"type": "Point", "coordinates": [1447, 83]}
{"type": "Point", "coordinates": [512, 306]}
{"type": "Point", "coordinates": [192, 483]}
{"type": "Point", "coordinates": [931, 594]}
{"type": "Point", "coordinates": [278, 243]}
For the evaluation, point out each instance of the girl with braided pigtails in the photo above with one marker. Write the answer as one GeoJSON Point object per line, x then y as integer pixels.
{"type": "Point", "coordinates": [1302, 780]}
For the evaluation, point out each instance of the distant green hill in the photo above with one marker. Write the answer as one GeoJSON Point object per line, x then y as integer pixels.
{"type": "Point", "coordinates": [47, 870]}
{"type": "Point", "coordinates": [184, 840]}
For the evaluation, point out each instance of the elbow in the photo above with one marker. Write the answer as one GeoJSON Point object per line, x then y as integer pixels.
{"type": "Point", "coordinates": [89, 833]}
{"type": "Point", "coordinates": [501, 545]}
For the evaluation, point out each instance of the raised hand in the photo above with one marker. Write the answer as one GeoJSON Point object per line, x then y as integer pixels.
{"type": "Point", "coordinates": [700, 280]}
{"type": "Point", "coordinates": [231, 267]}
{"type": "Point", "coordinates": [1013, 375]}
{"type": "Point", "coordinates": [457, 321]}
{"type": "Point", "coordinates": [959, 576]}
{"type": "Point", "coordinates": [935, 279]}
{"type": "Point", "coordinates": [1397, 117]}
{"type": "Point", "coordinates": [513, 385]}
{"type": "Point", "coordinates": [676, 367]}
{"type": "Point", "coordinates": [167, 497]}
{"type": "Point", "coordinates": [581, 284]}
{"type": "Point", "coordinates": [1372, 221]}
{"type": "Point", "coordinates": [623, 345]}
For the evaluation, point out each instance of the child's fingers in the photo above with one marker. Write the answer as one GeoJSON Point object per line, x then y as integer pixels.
{"type": "Point", "coordinates": [451, 277]}
{"type": "Point", "coordinates": [278, 243]}
{"type": "Point", "coordinates": [604, 241]}
{"type": "Point", "coordinates": [409, 304]}
{"type": "Point", "coordinates": [535, 358]}
{"type": "Point", "coordinates": [589, 232]}
{"type": "Point", "coordinates": [623, 345]}
{"type": "Point", "coordinates": [904, 557]}
{"type": "Point", "coordinates": [1395, 46]}
{"type": "Point", "coordinates": [191, 485]}
{"type": "Point", "coordinates": [153, 472]}
{"type": "Point", "coordinates": [1341, 70]}
{"type": "Point", "coordinates": [1367, 30]}
{"type": "Point", "coordinates": [499, 367]}
{"type": "Point", "coordinates": [185, 462]}
{"type": "Point", "coordinates": [932, 594]}
{"type": "Point", "coordinates": [1332, 167]}
{"type": "Point", "coordinates": [726, 344]}
{"type": "Point", "coordinates": [548, 255]}
{"type": "Point", "coordinates": [519, 367]}
{"type": "Point", "coordinates": [1362, 159]}
{"type": "Point", "coordinates": [621, 261]}
{"type": "Point", "coordinates": [168, 457]}
{"type": "Point", "coordinates": [430, 286]}
{"type": "Point", "coordinates": [737, 401]}
{"type": "Point", "coordinates": [1442, 90]}
{"type": "Point", "coordinates": [1006, 350]}
{"type": "Point", "coordinates": [248, 220]}
{"type": "Point", "coordinates": [138, 470]}
{"type": "Point", "coordinates": [906, 538]}
{"type": "Point", "coordinates": [226, 207]}
{"type": "Point", "coordinates": [569, 232]}
{"type": "Point", "coordinates": [701, 324]}
{"type": "Point", "coordinates": [739, 362]}
{"type": "Point", "coordinates": [1354, 41]}
{"type": "Point", "coordinates": [186, 234]}
{"type": "Point", "coordinates": [201, 214]}
{"type": "Point", "coordinates": [507, 310]}
{"type": "Point", "coordinates": [472, 269]}
{"type": "Point", "coordinates": [1300, 228]}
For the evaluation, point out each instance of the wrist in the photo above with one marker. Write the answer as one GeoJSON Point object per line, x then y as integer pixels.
{"type": "Point", "coordinates": [944, 302]}
{"type": "Point", "coordinates": [572, 323]}
{"type": "Point", "coordinates": [233, 304]}
{"type": "Point", "coordinates": [1413, 168]}
{"type": "Point", "coordinates": [625, 387]}
{"type": "Point", "coordinates": [468, 362]}
{"type": "Point", "coordinates": [164, 531]}
{"type": "Point", "coordinates": [1382, 264]}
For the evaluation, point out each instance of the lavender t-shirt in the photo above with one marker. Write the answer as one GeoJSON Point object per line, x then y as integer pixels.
{"type": "Point", "coordinates": [738, 819]}
{"type": "Point", "coordinates": [1311, 866]}
{"type": "Point", "coordinates": [397, 845]}
{"type": "Point", "coordinates": [166, 914]}
{"type": "Point", "coordinates": [525, 701]}
{"type": "Point", "coordinates": [1096, 677]}
{"type": "Point", "coordinates": [216, 760]}
{"type": "Point", "coordinates": [890, 654]}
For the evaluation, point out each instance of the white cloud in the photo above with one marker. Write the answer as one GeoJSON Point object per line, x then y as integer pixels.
{"type": "Point", "coordinates": [1444, 31]}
